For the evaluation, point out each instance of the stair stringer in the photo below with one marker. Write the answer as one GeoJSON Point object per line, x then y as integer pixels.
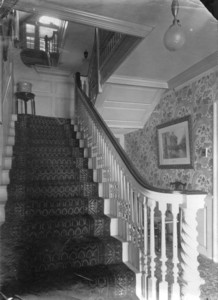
{"type": "Point", "coordinates": [7, 158]}
{"type": "Point", "coordinates": [105, 188]}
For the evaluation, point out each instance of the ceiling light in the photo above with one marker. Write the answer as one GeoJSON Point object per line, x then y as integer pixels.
{"type": "Point", "coordinates": [86, 54]}
{"type": "Point", "coordinates": [174, 38]}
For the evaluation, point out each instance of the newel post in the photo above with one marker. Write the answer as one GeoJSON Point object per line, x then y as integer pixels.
{"type": "Point", "coordinates": [191, 276]}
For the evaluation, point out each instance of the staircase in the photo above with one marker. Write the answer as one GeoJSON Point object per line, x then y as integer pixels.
{"type": "Point", "coordinates": [56, 236]}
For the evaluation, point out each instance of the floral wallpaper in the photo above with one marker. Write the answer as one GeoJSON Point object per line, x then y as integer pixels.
{"type": "Point", "coordinates": [195, 99]}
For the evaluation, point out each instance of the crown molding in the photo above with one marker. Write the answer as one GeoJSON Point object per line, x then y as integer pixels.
{"type": "Point", "coordinates": [136, 81]}
{"type": "Point", "coordinates": [125, 105]}
{"type": "Point", "coordinates": [197, 69]}
{"type": "Point", "coordinates": [82, 17]}
{"type": "Point", "coordinates": [124, 124]}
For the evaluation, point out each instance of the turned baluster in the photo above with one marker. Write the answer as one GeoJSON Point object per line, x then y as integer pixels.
{"type": "Point", "coordinates": [163, 286]}
{"type": "Point", "coordinates": [145, 253]}
{"type": "Point", "coordinates": [152, 293]}
{"type": "Point", "coordinates": [175, 285]}
{"type": "Point", "coordinates": [128, 224]}
{"type": "Point", "coordinates": [191, 276]}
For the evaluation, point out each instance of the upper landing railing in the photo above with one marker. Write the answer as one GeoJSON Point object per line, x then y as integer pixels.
{"type": "Point", "coordinates": [110, 49]}
{"type": "Point", "coordinates": [158, 227]}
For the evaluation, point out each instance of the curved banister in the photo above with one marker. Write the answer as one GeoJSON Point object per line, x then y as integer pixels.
{"type": "Point", "coordinates": [137, 209]}
{"type": "Point", "coordinates": [129, 165]}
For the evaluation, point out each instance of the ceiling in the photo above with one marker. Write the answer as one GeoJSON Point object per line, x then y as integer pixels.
{"type": "Point", "coordinates": [150, 66]}
{"type": "Point", "coordinates": [150, 60]}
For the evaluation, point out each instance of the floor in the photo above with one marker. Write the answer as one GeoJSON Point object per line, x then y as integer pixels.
{"type": "Point", "coordinates": [209, 291]}
{"type": "Point", "coordinates": [209, 272]}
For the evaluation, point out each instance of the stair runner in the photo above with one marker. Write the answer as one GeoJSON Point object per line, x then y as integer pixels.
{"type": "Point", "coordinates": [56, 235]}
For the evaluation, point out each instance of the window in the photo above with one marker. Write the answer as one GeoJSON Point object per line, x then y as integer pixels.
{"type": "Point", "coordinates": [50, 21]}
{"type": "Point", "coordinates": [35, 34]}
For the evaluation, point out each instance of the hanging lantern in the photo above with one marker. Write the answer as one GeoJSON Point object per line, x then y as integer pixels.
{"type": "Point", "coordinates": [174, 38]}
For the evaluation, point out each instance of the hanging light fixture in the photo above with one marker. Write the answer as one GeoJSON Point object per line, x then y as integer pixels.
{"type": "Point", "coordinates": [174, 38]}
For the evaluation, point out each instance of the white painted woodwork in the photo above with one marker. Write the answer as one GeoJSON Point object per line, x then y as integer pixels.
{"type": "Point", "coordinates": [127, 106]}
{"type": "Point", "coordinates": [7, 162]}
{"type": "Point", "coordinates": [175, 286]}
{"type": "Point", "coordinates": [1, 78]}
{"type": "Point", "coordinates": [138, 82]}
{"type": "Point", "coordinates": [5, 180]}
{"type": "Point", "coordinates": [191, 276]}
{"type": "Point", "coordinates": [215, 180]}
{"type": "Point", "coordinates": [126, 201]}
{"type": "Point", "coordinates": [53, 89]}
{"type": "Point", "coordinates": [7, 156]}
{"type": "Point", "coordinates": [194, 71]}
{"type": "Point", "coordinates": [163, 284]}
{"type": "Point", "coordinates": [6, 120]}
{"type": "Point", "coordinates": [150, 60]}
{"type": "Point", "coordinates": [205, 228]}
{"type": "Point", "coordinates": [84, 17]}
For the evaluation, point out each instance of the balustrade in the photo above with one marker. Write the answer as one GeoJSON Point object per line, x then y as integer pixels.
{"type": "Point", "coordinates": [140, 213]}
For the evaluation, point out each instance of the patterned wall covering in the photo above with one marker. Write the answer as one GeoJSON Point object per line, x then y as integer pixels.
{"type": "Point", "coordinates": [195, 99]}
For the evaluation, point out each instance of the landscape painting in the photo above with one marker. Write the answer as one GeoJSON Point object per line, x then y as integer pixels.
{"type": "Point", "coordinates": [174, 148]}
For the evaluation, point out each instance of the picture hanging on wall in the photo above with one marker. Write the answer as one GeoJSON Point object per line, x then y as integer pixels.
{"type": "Point", "coordinates": [174, 144]}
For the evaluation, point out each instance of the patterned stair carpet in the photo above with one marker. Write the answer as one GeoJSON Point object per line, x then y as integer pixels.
{"type": "Point", "coordinates": [56, 236]}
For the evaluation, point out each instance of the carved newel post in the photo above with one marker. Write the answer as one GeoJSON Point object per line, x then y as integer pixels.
{"type": "Point", "coordinates": [191, 276]}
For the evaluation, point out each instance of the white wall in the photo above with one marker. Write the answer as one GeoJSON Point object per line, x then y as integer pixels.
{"type": "Point", "coordinates": [53, 89]}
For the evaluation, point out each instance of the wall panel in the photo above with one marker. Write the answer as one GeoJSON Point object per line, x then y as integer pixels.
{"type": "Point", "coordinates": [53, 89]}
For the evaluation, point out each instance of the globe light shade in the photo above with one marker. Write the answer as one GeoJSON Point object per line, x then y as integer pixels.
{"type": "Point", "coordinates": [174, 38]}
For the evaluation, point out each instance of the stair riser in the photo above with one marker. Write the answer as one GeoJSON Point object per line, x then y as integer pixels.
{"type": "Point", "coordinates": [7, 163]}
{"type": "Point", "coordinates": [56, 174]}
{"type": "Point", "coordinates": [77, 227]}
{"type": "Point", "coordinates": [53, 208]}
{"type": "Point", "coordinates": [20, 192]}
{"type": "Point", "coordinates": [38, 163]}
{"type": "Point", "coordinates": [3, 193]}
{"type": "Point", "coordinates": [47, 140]}
{"type": "Point", "coordinates": [9, 151]}
{"type": "Point", "coordinates": [5, 180]}
{"type": "Point", "coordinates": [11, 130]}
{"type": "Point", "coordinates": [83, 254]}
{"type": "Point", "coordinates": [11, 141]}
{"type": "Point", "coordinates": [48, 152]}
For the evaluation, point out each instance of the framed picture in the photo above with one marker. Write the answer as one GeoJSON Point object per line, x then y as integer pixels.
{"type": "Point", "coordinates": [174, 144]}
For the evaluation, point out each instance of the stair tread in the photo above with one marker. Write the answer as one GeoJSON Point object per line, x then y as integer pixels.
{"type": "Point", "coordinates": [59, 242]}
{"type": "Point", "coordinates": [59, 183]}
{"type": "Point", "coordinates": [51, 173]}
{"type": "Point", "coordinates": [56, 206]}
{"type": "Point", "coordinates": [56, 233]}
{"type": "Point", "coordinates": [55, 227]}
{"type": "Point", "coordinates": [52, 218]}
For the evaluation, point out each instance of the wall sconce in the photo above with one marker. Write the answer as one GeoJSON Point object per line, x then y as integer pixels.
{"type": "Point", "coordinates": [86, 54]}
{"type": "Point", "coordinates": [174, 38]}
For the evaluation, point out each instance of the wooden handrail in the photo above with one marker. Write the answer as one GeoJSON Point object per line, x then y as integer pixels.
{"type": "Point", "coordinates": [129, 165]}
{"type": "Point", "coordinates": [134, 204]}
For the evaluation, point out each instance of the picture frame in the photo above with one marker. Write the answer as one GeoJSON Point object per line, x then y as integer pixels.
{"type": "Point", "coordinates": [174, 144]}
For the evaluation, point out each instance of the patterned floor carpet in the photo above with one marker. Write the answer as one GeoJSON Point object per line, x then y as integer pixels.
{"type": "Point", "coordinates": [56, 236]}
{"type": "Point", "coordinates": [55, 243]}
{"type": "Point", "coordinates": [209, 272]}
